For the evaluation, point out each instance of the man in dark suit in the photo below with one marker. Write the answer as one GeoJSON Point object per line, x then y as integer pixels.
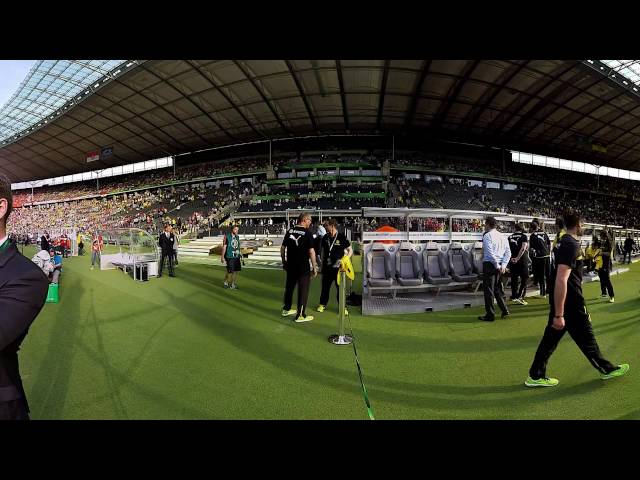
{"type": "Point", "coordinates": [23, 291]}
{"type": "Point", "coordinates": [166, 241]}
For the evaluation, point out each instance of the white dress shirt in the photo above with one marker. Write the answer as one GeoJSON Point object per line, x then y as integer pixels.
{"type": "Point", "coordinates": [496, 249]}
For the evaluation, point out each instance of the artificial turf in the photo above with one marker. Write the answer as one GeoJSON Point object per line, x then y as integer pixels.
{"type": "Point", "coordinates": [185, 348]}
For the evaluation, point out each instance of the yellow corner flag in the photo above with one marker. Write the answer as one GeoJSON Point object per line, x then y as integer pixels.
{"type": "Point", "coordinates": [347, 267]}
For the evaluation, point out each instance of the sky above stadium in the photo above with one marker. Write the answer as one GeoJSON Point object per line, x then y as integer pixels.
{"type": "Point", "coordinates": [12, 72]}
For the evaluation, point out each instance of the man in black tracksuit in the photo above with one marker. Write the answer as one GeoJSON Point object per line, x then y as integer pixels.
{"type": "Point", "coordinates": [333, 247]}
{"type": "Point", "coordinates": [519, 265]}
{"type": "Point", "coordinates": [539, 246]}
{"type": "Point", "coordinates": [299, 261]}
{"type": "Point", "coordinates": [568, 312]}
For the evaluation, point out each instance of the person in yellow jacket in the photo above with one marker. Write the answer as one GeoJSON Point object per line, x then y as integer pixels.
{"type": "Point", "coordinates": [603, 265]}
{"type": "Point", "coordinates": [561, 232]}
{"type": "Point", "coordinates": [589, 258]}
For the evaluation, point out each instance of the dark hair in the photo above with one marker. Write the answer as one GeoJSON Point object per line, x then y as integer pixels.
{"type": "Point", "coordinates": [333, 222]}
{"type": "Point", "coordinates": [491, 221]}
{"type": "Point", "coordinates": [519, 227]}
{"type": "Point", "coordinates": [570, 220]}
{"type": "Point", "coordinates": [561, 222]}
{"type": "Point", "coordinates": [5, 192]}
{"type": "Point", "coordinates": [534, 224]}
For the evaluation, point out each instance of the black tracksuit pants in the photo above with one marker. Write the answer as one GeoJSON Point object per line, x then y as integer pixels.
{"type": "Point", "coordinates": [329, 277]}
{"type": "Point", "coordinates": [541, 267]}
{"type": "Point", "coordinates": [578, 324]}
{"type": "Point", "coordinates": [626, 253]}
{"type": "Point", "coordinates": [493, 288]}
{"type": "Point", "coordinates": [301, 280]}
{"type": "Point", "coordinates": [519, 278]}
{"type": "Point", "coordinates": [606, 287]}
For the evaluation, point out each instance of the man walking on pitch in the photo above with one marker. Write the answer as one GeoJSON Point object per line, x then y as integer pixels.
{"type": "Point", "coordinates": [496, 256]}
{"type": "Point", "coordinates": [23, 291]}
{"type": "Point", "coordinates": [231, 256]}
{"type": "Point", "coordinates": [539, 246]}
{"type": "Point", "coordinates": [166, 242]}
{"type": "Point", "coordinates": [568, 312]}
{"type": "Point", "coordinates": [519, 265]}
{"type": "Point", "coordinates": [334, 245]}
{"type": "Point", "coordinates": [299, 261]}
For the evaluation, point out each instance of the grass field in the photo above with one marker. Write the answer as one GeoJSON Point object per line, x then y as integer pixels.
{"type": "Point", "coordinates": [185, 348]}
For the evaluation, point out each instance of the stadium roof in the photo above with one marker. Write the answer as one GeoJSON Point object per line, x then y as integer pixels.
{"type": "Point", "coordinates": [49, 85]}
{"type": "Point", "coordinates": [573, 109]}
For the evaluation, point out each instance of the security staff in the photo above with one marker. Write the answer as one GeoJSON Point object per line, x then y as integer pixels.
{"type": "Point", "coordinates": [539, 246]}
{"type": "Point", "coordinates": [23, 291]}
{"type": "Point", "coordinates": [519, 266]}
{"type": "Point", "coordinates": [568, 312]}
{"type": "Point", "coordinates": [166, 241]}
{"type": "Point", "coordinates": [299, 261]}
{"type": "Point", "coordinates": [334, 246]}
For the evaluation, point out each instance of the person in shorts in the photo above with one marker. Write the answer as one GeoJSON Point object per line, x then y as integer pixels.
{"type": "Point", "coordinates": [231, 256]}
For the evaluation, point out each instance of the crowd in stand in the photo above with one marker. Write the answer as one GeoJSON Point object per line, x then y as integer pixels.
{"type": "Point", "coordinates": [202, 205]}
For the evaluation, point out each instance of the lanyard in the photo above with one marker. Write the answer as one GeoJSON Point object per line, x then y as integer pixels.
{"type": "Point", "coordinates": [331, 246]}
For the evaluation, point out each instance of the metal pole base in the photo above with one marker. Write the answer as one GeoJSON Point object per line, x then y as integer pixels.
{"type": "Point", "coordinates": [341, 339]}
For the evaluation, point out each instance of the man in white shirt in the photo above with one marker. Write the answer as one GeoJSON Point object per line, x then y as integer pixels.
{"type": "Point", "coordinates": [496, 256]}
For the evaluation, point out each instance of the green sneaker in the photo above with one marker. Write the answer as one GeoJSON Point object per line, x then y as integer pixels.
{"type": "Point", "coordinates": [286, 313]}
{"type": "Point", "coordinates": [541, 382]}
{"type": "Point", "coordinates": [302, 319]}
{"type": "Point", "coordinates": [612, 300]}
{"type": "Point", "coordinates": [620, 371]}
{"type": "Point", "coordinates": [320, 308]}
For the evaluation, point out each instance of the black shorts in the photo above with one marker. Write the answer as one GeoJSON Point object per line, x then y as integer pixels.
{"type": "Point", "coordinates": [233, 264]}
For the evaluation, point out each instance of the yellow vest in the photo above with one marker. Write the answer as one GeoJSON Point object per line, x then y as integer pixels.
{"type": "Point", "coordinates": [597, 256]}
{"type": "Point", "coordinates": [589, 252]}
{"type": "Point", "coordinates": [561, 234]}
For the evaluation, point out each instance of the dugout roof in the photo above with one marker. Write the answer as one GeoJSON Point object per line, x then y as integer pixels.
{"type": "Point", "coordinates": [585, 110]}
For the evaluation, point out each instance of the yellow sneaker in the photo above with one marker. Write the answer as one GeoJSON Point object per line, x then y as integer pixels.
{"type": "Point", "coordinates": [320, 308]}
{"type": "Point", "coordinates": [286, 313]}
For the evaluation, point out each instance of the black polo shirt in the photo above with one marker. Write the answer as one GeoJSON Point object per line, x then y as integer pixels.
{"type": "Point", "coordinates": [333, 249]}
{"type": "Point", "coordinates": [516, 240]}
{"type": "Point", "coordinates": [298, 241]}
{"type": "Point", "coordinates": [567, 252]}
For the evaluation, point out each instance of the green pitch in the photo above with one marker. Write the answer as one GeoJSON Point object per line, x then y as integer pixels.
{"type": "Point", "coordinates": [185, 348]}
